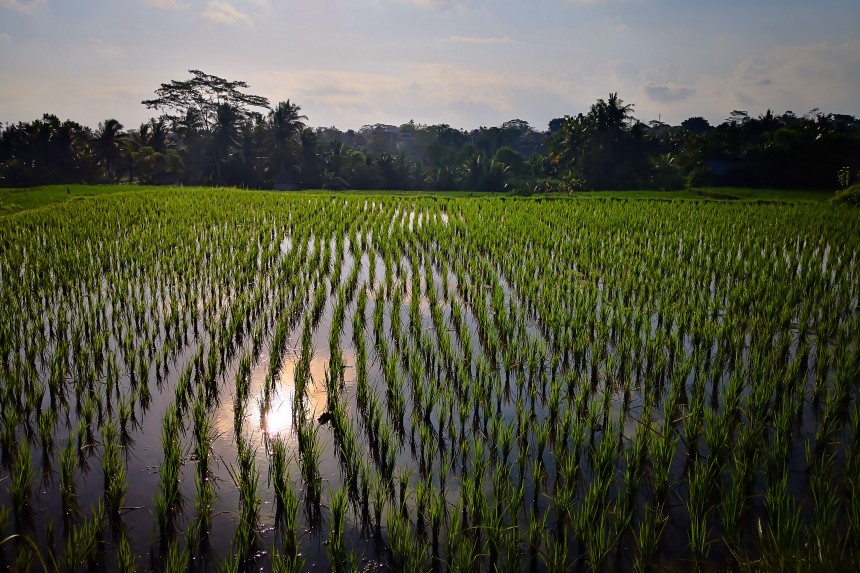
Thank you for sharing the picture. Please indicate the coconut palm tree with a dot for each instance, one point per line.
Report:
(611, 114)
(337, 155)
(311, 160)
(108, 144)
(285, 124)
(149, 150)
(224, 138)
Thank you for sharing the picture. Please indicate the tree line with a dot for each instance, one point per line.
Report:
(210, 131)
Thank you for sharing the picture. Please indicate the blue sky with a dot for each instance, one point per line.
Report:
(467, 63)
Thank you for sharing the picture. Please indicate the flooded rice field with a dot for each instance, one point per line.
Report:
(237, 381)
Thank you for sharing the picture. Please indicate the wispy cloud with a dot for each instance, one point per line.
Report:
(813, 72)
(479, 40)
(22, 5)
(668, 92)
(427, 93)
(4, 37)
(222, 12)
(166, 4)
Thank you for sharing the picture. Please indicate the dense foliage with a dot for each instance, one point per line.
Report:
(508, 383)
(213, 133)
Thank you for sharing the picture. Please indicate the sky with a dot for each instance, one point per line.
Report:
(466, 63)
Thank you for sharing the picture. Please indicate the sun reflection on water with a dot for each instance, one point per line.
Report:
(278, 420)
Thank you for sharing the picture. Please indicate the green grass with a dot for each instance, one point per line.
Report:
(16, 200)
(26, 199)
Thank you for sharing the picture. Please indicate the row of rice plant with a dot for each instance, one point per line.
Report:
(431, 383)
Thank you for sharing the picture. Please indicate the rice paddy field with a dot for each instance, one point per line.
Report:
(234, 381)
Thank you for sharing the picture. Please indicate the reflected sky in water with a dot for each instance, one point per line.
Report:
(278, 420)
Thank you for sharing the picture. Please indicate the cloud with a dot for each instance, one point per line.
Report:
(811, 75)
(22, 5)
(4, 37)
(667, 93)
(222, 12)
(429, 93)
(166, 4)
(789, 77)
(478, 40)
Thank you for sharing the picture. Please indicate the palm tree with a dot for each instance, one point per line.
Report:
(225, 136)
(108, 143)
(480, 173)
(611, 114)
(149, 150)
(311, 164)
(336, 156)
(285, 126)
(604, 149)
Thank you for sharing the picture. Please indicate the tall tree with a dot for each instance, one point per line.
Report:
(225, 136)
(312, 175)
(605, 149)
(203, 95)
(108, 143)
(285, 127)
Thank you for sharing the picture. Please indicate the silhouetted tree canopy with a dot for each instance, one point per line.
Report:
(212, 132)
(201, 97)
